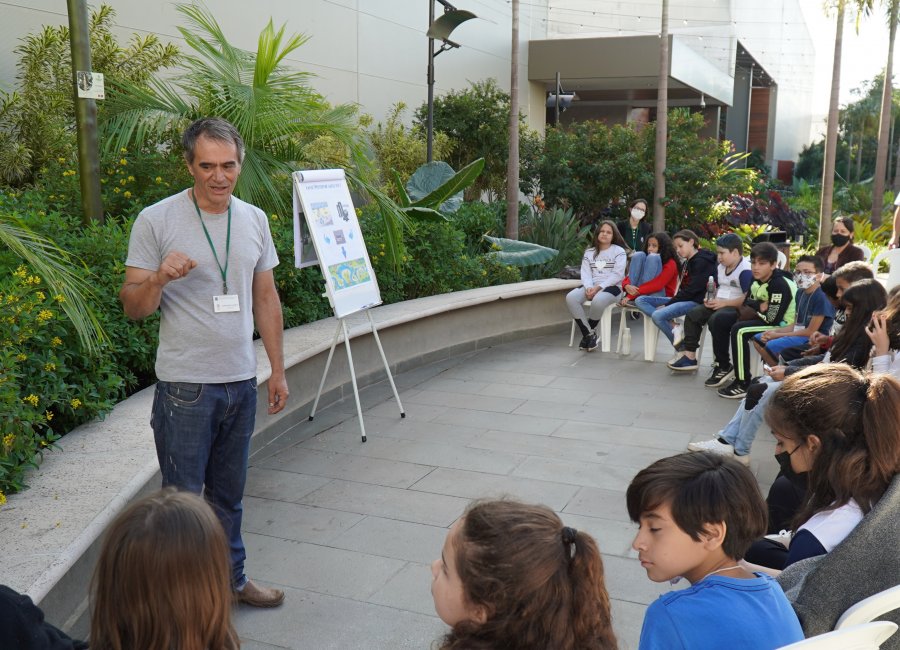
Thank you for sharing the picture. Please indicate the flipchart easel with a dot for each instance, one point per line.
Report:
(328, 233)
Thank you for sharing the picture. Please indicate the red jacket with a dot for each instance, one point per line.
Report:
(667, 278)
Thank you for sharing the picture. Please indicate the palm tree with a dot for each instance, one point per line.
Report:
(884, 123)
(659, 188)
(276, 111)
(831, 133)
(512, 165)
(55, 267)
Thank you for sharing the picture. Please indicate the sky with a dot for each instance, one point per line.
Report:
(863, 54)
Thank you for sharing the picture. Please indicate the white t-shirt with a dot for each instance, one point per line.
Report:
(730, 283)
(830, 527)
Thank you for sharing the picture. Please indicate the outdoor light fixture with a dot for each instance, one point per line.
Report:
(560, 100)
(440, 29)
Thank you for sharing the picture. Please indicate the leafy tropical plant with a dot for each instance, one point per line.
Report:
(281, 118)
(401, 148)
(477, 121)
(519, 253)
(556, 229)
(55, 266)
(435, 189)
(37, 120)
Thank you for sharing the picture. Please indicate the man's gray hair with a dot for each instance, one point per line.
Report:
(214, 128)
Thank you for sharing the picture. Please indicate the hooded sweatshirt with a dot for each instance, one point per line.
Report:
(694, 276)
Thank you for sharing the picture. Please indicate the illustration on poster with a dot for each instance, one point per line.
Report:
(321, 214)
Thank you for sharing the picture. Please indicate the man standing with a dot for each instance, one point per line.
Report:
(205, 259)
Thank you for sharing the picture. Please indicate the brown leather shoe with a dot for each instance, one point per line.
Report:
(256, 596)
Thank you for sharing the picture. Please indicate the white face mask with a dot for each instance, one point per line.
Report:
(804, 280)
(637, 213)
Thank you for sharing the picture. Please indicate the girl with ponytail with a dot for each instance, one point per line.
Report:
(511, 575)
(839, 425)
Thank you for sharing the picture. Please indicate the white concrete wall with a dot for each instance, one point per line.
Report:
(370, 52)
(774, 31)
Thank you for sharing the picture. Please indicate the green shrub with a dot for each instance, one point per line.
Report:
(47, 386)
(476, 219)
(558, 229)
(436, 262)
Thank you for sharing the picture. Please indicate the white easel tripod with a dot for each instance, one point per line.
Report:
(342, 327)
(327, 233)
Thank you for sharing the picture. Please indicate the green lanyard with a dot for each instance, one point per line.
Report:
(223, 271)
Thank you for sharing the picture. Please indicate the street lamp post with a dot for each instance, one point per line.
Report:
(440, 29)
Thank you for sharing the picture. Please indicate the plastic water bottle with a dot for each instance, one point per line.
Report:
(710, 289)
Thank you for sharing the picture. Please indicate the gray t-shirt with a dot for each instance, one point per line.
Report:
(196, 344)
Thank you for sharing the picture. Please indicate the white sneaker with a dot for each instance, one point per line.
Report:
(721, 448)
(714, 446)
(677, 335)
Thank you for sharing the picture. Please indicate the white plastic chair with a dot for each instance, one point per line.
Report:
(782, 260)
(868, 636)
(605, 327)
(866, 251)
(871, 608)
(651, 335)
(892, 257)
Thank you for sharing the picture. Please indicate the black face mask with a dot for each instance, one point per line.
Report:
(839, 240)
(784, 462)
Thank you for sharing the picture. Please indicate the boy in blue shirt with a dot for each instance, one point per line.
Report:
(698, 514)
(815, 313)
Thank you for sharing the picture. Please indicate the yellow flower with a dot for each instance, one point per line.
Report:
(44, 315)
(40, 295)
(60, 160)
(123, 150)
(48, 415)
(2, 499)
(8, 441)
(21, 357)
(123, 181)
(75, 402)
(59, 298)
(127, 195)
(31, 399)
(49, 367)
(56, 341)
(20, 272)
(33, 279)
(116, 190)
(158, 179)
(381, 253)
(123, 162)
(131, 179)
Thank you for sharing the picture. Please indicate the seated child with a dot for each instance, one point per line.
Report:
(602, 272)
(814, 313)
(769, 304)
(699, 264)
(163, 579)
(698, 514)
(732, 285)
(512, 575)
(653, 272)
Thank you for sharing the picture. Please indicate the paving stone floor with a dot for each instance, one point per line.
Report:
(348, 530)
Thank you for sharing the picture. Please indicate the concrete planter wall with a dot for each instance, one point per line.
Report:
(51, 533)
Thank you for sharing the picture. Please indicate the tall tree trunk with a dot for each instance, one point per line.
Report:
(85, 115)
(831, 134)
(512, 165)
(895, 186)
(884, 124)
(662, 123)
(859, 156)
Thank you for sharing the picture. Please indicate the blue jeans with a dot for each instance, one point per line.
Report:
(202, 434)
(741, 431)
(656, 308)
(775, 346)
(643, 268)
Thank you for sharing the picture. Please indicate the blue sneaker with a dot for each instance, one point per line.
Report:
(683, 364)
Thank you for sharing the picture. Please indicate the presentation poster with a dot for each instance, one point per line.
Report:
(331, 226)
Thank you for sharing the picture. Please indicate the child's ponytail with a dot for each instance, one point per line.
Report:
(588, 594)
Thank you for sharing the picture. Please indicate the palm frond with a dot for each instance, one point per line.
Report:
(54, 266)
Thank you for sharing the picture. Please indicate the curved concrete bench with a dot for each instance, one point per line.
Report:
(50, 533)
